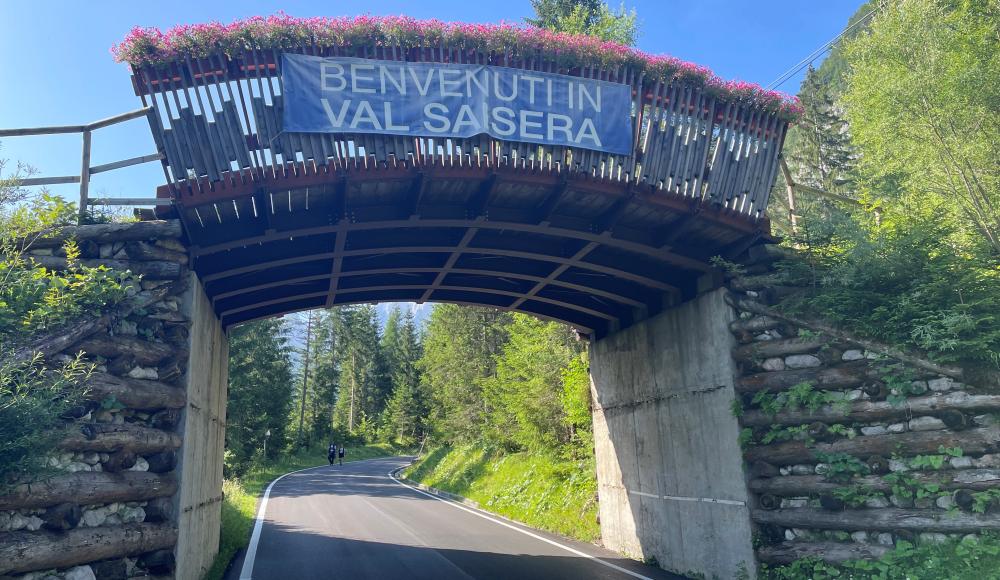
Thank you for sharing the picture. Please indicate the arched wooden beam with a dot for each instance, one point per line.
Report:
(561, 260)
(477, 289)
(603, 238)
(620, 298)
(582, 328)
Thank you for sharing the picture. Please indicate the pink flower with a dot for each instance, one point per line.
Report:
(152, 47)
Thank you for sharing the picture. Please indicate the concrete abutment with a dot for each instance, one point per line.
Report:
(669, 466)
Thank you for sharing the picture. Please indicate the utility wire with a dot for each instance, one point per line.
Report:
(816, 53)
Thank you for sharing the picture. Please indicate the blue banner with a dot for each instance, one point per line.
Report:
(355, 95)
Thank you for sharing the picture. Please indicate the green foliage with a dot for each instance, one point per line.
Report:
(906, 486)
(35, 302)
(928, 461)
(33, 400)
(856, 495)
(539, 489)
(983, 500)
(915, 264)
(460, 349)
(800, 396)
(403, 420)
(779, 433)
(590, 17)
(965, 559)
(260, 392)
(842, 467)
(922, 101)
(523, 402)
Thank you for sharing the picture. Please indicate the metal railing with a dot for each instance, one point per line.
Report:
(86, 169)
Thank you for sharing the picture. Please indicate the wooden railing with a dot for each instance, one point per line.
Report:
(220, 118)
(86, 169)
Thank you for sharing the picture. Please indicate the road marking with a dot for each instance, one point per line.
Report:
(246, 572)
(686, 498)
(525, 532)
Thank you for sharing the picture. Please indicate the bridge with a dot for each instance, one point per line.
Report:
(255, 221)
(281, 221)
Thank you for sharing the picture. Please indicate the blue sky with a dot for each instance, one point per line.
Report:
(56, 66)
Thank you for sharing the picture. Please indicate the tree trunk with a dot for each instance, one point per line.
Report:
(772, 348)
(879, 519)
(28, 551)
(134, 393)
(89, 487)
(972, 442)
(747, 305)
(146, 252)
(832, 552)
(870, 411)
(110, 233)
(107, 437)
(814, 485)
(350, 416)
(159, 270)
(844, 376)
(144, 352)
(305, 377)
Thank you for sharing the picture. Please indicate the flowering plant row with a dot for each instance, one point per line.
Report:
(151, 46)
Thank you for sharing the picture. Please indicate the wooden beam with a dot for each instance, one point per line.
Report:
(551, 201)
(620, 298)
(669, 257)
(611, 271)
(28, 551)
(480, 200)
(479, 289)
(573, 261)
(445, 270)
(281, 311)
(339, 245)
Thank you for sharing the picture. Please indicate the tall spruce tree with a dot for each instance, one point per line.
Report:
(460, 348)
(361, 390)
(260, 389)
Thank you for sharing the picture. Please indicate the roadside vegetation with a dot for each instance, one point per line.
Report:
(35, 302)
(901, 122)
(543, 491)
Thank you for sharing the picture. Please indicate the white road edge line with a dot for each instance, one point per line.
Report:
(246, 572)
(525, 532)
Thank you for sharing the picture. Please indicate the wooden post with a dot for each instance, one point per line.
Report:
(84, 174)
(790, 190)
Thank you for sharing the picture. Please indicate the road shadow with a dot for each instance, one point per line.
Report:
(321, 556)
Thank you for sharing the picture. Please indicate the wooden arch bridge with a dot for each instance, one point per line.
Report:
(281, 222)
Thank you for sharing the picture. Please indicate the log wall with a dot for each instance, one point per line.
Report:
(108, 506)
(870, 447)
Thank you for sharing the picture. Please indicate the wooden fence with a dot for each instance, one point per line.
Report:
(219, 119)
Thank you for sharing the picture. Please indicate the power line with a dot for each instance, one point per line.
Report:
(816, 53)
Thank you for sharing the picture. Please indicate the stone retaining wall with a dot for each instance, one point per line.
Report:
(106, 509)
(849, 450)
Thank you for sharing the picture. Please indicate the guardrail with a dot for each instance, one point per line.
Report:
(86, 169)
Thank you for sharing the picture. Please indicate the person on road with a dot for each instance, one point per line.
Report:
(331, 453)
(340, 454)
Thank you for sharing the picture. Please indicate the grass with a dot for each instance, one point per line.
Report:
(239, 506)
(539, 490)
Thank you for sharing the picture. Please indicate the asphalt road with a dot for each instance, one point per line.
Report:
(354, 521)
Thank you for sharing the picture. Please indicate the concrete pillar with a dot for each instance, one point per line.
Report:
(669, 467)
(204, 427)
